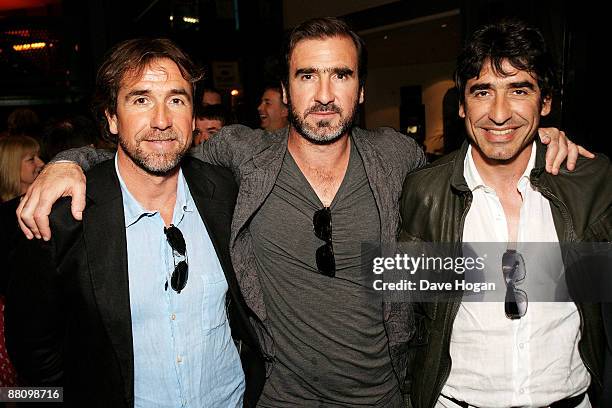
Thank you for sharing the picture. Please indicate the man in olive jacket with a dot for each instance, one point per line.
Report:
(495, 189)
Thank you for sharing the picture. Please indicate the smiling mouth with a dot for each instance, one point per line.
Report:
(500, 132)
(499, 135)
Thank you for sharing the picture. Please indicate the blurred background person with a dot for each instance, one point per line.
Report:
(272, 111)
(20, 163)
(209, 119)
(211, 96)
(66, 133)
(23, 122)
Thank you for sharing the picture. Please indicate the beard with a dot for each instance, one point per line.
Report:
(322, 132)
(155, 163)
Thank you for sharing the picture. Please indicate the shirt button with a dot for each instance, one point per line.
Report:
(522, 390)
(179, 359)
(173, 316)
(522, 345)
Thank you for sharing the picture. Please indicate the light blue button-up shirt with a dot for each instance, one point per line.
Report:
(184, 355)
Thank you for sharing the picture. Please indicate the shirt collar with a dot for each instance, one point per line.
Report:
(474, 181)
(133, 211)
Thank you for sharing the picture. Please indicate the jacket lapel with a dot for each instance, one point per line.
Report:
(257, 184)
(106, 246)
(216, 214)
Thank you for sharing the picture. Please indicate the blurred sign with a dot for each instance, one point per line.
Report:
(226, 75)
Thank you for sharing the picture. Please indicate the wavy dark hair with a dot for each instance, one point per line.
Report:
(515, 41)
(320, 29)
(132, 57)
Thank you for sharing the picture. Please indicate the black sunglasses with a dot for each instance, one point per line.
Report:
(181, 269)
(513, 267)
(322, 226)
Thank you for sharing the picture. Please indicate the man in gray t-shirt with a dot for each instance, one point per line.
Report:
(330, 339)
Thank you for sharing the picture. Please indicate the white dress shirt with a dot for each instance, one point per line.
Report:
(532, 361)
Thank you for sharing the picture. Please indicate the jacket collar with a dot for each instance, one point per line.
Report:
(459, 183)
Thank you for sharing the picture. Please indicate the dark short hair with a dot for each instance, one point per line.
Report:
(213, 112)
(523, 46)
(276, 87)
(323, 28)
(66, 133)
(132, 57)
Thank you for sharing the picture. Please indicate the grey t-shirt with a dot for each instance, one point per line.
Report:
(331, 346)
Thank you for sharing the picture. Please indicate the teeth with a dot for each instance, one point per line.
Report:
(500, 132)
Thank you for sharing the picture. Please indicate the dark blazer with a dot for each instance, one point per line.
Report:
(68, 315)
(8, 233)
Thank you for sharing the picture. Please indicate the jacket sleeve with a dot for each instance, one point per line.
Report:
(231, 147)
(34, 323)
(86, 157)
(227, 148)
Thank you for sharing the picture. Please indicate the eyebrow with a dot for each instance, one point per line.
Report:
(513, 85)
(145, 92)
(335, 70)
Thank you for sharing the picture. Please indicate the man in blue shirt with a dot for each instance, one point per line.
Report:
(129, 307)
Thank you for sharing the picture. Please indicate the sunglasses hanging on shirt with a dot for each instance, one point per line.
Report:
(322, 226)
(178, 279)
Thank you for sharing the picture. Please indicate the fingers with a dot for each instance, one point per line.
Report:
(562, 153)
(25, 215)
(585, 153)
(41, 218)
(572, 155)
(78, 200)
(55, 181)
(552, 147)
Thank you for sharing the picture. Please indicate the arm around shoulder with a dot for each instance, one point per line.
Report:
(86, 157)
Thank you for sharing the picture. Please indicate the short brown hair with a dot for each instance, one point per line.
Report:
(322, 28)
(132, 57)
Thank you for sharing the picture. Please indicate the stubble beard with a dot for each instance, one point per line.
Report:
(310, 133)
(157, 164)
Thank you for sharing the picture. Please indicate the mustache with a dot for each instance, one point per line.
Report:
(319, 107)
(159, 136)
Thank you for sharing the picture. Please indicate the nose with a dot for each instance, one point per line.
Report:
(162, 118)
(260, 108)
(324, 94)
(500, 111)
(39, 162)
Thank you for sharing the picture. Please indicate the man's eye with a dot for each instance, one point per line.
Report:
(140, 101)
(307, 76)
(481, 93)
(520, 92)
(178, 101)
(341, 76)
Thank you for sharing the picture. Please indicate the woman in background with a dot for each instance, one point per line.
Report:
(19, 166)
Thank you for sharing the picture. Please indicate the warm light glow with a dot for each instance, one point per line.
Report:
(28, 47)
(235, 92)
(191, 20)
(171, 18)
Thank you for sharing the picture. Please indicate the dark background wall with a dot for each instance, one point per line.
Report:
(410, 39)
